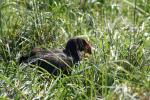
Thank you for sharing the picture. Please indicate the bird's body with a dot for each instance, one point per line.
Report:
(58, 60)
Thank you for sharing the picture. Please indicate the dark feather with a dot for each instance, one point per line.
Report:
(58, 60)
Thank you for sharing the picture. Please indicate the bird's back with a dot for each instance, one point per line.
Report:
(52, 61)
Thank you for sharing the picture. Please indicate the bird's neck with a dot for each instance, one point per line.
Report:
(75, 55)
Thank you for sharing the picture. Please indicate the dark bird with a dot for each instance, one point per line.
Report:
(55, 61)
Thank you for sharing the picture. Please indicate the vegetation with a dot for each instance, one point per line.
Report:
(119, 30)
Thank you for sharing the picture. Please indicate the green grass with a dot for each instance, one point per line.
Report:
(119, 30)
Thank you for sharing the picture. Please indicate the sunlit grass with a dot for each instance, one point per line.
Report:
(119, 67)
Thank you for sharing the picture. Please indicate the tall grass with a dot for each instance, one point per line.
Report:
(119, 68)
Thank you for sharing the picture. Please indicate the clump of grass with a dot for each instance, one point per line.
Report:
(119, 31)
